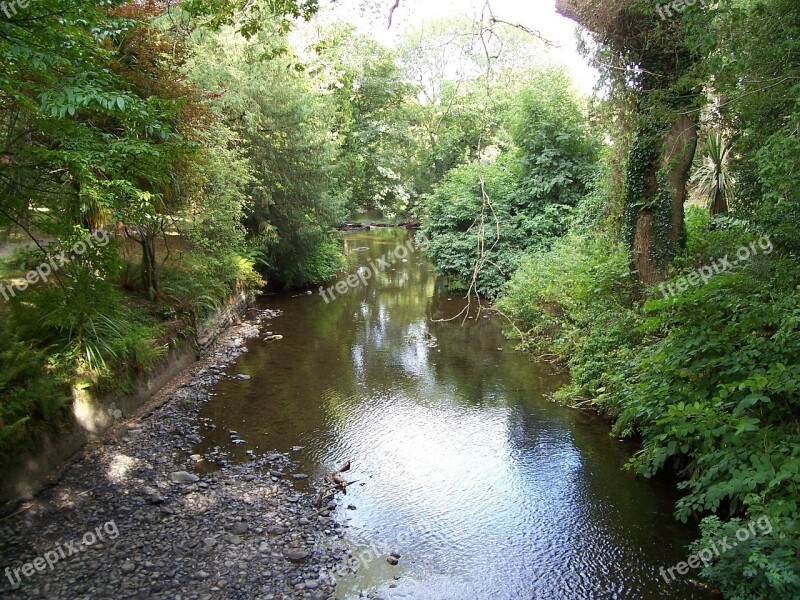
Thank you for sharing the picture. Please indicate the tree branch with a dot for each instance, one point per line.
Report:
(391, 12)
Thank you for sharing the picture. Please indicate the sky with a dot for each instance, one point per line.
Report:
(538, 15)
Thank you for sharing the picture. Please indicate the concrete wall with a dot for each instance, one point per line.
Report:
(91, 416)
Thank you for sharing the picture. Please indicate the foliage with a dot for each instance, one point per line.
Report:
(29, 391)
(576, 300)
(558, 151)
(530, 194)
(98, 125)
(469, 76)
(712, 178)
(252, 18)
(369, 97)
(280, 128)
(455, 224)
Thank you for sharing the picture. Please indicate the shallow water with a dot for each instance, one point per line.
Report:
(460, 463)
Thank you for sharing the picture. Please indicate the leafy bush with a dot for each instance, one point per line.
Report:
(30, 391)
(574, 300)
(528, 196)
(456, 223)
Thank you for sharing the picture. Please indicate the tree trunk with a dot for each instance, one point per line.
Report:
(657, 181)
(661, 158)
(719, 205)
(149, 275)
(680, 146)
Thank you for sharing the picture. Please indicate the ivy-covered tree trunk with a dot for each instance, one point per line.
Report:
(658, 172)
(663, 151)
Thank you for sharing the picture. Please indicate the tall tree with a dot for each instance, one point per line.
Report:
(647, 59)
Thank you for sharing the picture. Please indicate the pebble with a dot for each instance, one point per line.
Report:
(183, 477)
(296, 555)
(203, 539)
(240, 528)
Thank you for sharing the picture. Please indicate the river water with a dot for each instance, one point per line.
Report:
(460, 462)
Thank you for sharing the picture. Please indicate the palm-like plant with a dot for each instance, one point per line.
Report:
(712, 180)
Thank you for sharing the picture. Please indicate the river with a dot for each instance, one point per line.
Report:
(460, 461)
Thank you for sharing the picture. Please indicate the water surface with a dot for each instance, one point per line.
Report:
(460, 462)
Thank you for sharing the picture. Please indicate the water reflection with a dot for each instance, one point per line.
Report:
(485, 488)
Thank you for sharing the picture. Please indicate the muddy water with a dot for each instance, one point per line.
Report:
(460, 463)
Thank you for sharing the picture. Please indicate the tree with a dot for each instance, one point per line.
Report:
(648, 60)
(712, 178)
(373, 121)
(466, 89)
(533, 190)
(95, 117)
(250, 17)
(283, 130)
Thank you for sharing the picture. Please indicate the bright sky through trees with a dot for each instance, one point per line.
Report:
(537, 15)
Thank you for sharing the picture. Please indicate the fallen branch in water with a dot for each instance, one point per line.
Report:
(333, 483)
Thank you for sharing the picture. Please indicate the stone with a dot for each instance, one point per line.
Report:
(297, 555)
(183, 477)
(240, 528)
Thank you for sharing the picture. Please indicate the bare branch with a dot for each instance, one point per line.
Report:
(391, 12)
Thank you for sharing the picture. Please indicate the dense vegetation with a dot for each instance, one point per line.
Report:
(647, 238)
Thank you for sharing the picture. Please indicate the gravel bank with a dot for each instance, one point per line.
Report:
(132, 518)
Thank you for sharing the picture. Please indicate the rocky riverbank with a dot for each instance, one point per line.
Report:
(133, 517)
